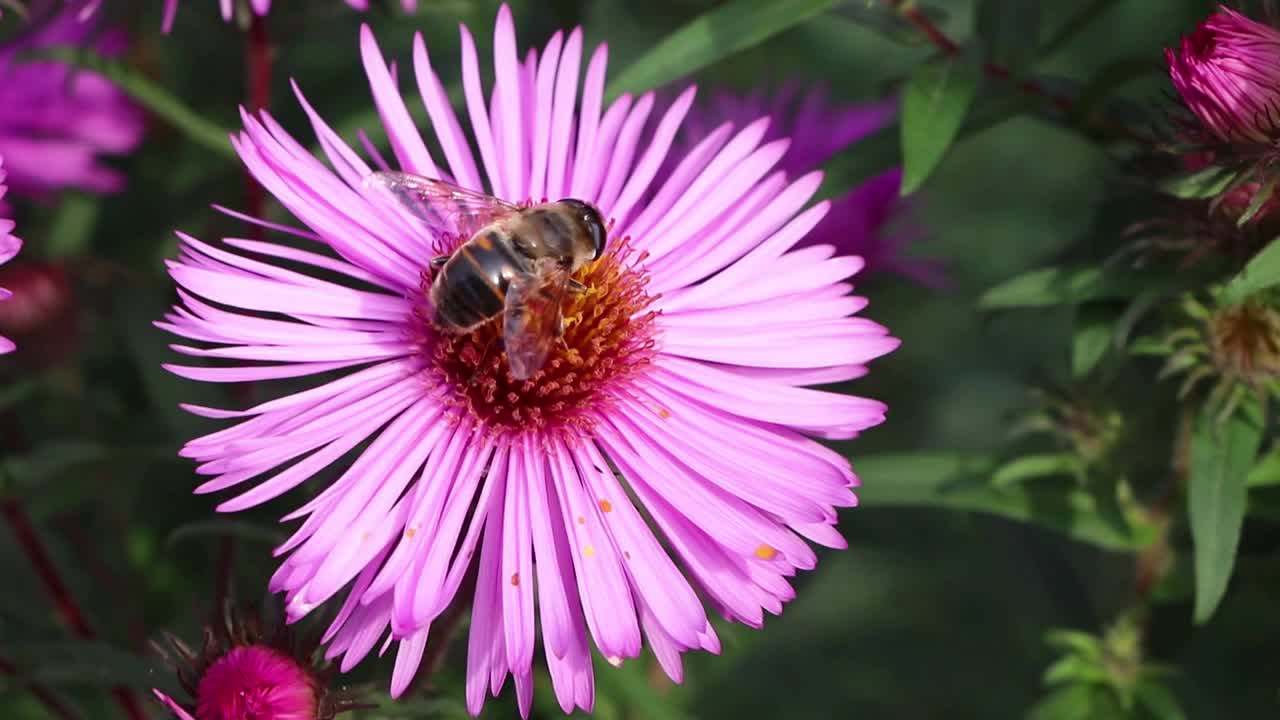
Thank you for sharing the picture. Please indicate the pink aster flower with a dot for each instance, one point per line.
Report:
(9, 246)
(57, 121)
(1228, 73)
(662, 457)
(871, 221)
(259, 7)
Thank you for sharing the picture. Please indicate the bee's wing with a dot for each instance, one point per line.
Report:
(443, 207)
(531, 319)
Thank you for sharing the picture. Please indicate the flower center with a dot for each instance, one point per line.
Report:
(608, 336)
(255, 682)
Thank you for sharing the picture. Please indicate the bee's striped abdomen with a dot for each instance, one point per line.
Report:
(471, 288)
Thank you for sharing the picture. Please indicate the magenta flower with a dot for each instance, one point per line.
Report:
(240, 674)
(871, 221)
(9, 246)
(259, 7)
(658, 459)
(1228, 73)
(56, 121)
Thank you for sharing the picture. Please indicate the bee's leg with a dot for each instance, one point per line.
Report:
(439, 261)
(576, 287)
(480, 362)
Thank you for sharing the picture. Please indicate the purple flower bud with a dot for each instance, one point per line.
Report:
(1228, 73)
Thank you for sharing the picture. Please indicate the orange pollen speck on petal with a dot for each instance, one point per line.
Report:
(606, 506)
(608, 337)
(589, 551)
(766, 552)
(515, 580)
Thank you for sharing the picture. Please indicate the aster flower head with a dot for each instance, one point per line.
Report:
(1228, 74)
(871, 221)
(9, 246)
(661, 456)
(239, 673)
(56, 121)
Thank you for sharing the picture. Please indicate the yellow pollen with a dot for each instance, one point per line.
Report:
(606, 506)
(589, 551)
(766, 552)
(664, 413)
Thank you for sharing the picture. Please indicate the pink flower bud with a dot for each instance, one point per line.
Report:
(1228, 74)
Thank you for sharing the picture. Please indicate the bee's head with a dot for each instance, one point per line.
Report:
(591, 222)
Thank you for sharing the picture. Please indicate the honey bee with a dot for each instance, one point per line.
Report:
(517, 262)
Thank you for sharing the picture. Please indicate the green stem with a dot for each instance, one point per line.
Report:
(148, 94)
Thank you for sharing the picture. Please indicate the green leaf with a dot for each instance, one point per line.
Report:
(712, 36)
(1072, 702)
(1080, 643)
(1266, 471)
(79, 662)
(149, 348)
(1074, 668)
(1091, 100)
(1077, 22)
(74, 461)
(1009, 31)
(1062, 285)
(150, 95)
(1260, 198)
(1028, 467)
(934, 105)
(1260, 273)
(1221, 455)
(222, 528)
(1206, 183)
(1158, 700)
(73, 225)
(882, 149)
(1093, 335)
(960, 482)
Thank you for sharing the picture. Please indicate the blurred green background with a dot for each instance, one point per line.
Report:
(931, 613)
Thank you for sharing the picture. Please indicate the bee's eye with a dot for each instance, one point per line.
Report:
(598, 233)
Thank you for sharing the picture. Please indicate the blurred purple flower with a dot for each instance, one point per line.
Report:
(1228, 73)
(674, 408)
(259, 7)
(872, 220)
(56, 120)
(9, 247)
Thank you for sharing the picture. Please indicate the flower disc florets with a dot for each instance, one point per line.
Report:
(608, 336)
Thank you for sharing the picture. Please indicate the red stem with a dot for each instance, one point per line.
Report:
(58, 591)
(43, 565)
(56, 707)
(258, 61)
(921, 22)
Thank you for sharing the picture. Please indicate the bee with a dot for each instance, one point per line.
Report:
(516, 262)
